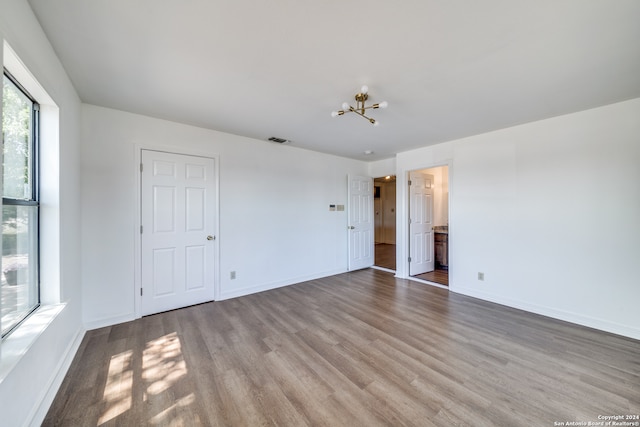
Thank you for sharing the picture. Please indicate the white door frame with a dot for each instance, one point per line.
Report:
(137, 155)
(402, 219)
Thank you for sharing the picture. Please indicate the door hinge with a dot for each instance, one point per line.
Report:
(409, 182)
(409, 259)
(141, 167)
(140, 291)
(409, 220)
(141, 229)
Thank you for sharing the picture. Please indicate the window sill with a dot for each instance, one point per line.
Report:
(17, 344)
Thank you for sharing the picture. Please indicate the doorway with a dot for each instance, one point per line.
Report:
(429, 225)
(384, 209)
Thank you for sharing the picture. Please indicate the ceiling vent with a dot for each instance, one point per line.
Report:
(279, 140)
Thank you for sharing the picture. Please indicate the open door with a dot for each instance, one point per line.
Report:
(361, 223)
(421, 223)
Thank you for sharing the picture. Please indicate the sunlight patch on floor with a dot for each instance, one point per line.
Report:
(162, 363)
(117, 392)
(169, 415)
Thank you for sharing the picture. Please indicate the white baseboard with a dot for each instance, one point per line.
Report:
(388, 270)
(109, 321)
(567, 316)
(49, 393)
(234, 293)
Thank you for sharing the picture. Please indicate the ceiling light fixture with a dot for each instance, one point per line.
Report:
(360, 108)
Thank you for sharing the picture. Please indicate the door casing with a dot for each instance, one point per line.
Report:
(137, 211)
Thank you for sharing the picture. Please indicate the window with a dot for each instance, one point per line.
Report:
(20, 207)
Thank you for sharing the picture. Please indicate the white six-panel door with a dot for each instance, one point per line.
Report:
(178, 200)
(361, 223)
(421, 224)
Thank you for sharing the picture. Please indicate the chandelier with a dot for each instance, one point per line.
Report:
(360, 108)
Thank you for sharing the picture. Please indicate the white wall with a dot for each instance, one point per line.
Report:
(549, 211)
(28, 386)
(382, 167)
(275, 225)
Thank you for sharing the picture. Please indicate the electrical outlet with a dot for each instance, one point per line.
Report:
(480, 276)
(232, 275)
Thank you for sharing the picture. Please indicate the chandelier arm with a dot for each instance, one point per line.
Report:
(369, 119)
(361, 109)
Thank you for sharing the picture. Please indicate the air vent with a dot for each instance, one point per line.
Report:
(279, 140)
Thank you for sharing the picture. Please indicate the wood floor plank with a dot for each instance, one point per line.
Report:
(385, 256)
(357, 349)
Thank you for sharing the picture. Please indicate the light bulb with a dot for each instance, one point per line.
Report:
(364, 89)
(383, 104)
(334, 114)
(376, 123)
(345, 106)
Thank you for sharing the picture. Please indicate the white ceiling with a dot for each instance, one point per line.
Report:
(448, 68)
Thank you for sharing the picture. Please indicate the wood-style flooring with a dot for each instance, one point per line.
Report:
(385, 257)
(357, 349)
(438, 275)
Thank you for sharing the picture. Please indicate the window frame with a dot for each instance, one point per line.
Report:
(35, 191)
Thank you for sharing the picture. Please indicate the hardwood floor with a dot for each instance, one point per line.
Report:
(385, 256)
(437, 276)
(357, 349)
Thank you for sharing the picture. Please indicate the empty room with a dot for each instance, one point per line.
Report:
(196, 196)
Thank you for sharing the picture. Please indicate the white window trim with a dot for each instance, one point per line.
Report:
(17, 344)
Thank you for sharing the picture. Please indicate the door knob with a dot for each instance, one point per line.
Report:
(211, 237)
(351, 227)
